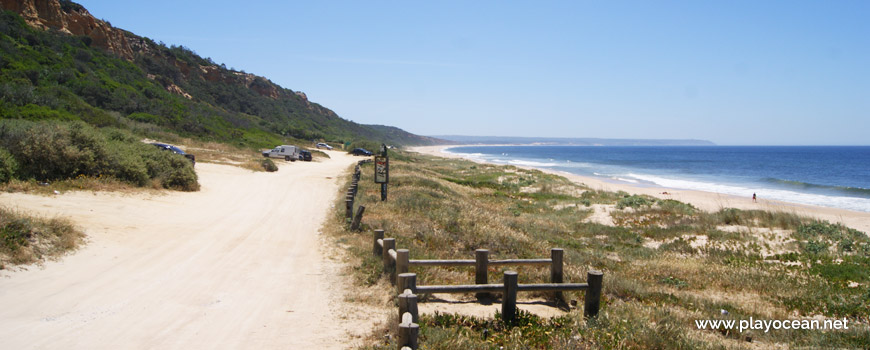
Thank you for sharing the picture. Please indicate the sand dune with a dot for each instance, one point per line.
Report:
(708, 201)
(236, 265)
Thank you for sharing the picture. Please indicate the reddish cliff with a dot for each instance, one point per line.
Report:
(71, 18)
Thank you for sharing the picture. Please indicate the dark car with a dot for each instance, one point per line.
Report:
(360, 152)
(175, 150)
(305, 155)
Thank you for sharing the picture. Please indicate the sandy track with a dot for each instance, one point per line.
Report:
(233, 266)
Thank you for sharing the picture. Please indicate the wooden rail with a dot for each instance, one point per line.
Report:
(409, 314)
(353, 221)
(509, 288)
(397, 261)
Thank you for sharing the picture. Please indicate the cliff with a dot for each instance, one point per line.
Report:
(215, 102)
(71, 18)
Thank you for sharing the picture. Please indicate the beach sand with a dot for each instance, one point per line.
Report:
(708, 201)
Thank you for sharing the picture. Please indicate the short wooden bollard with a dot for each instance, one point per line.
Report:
(376, 248)
(358, 218)
(408, 303)
(556, 272)
(348, 209)
(389, 243)
(403, 257)
(593, 293)
(407, 281)
(509, 299)
(481, 267)
(408, 332)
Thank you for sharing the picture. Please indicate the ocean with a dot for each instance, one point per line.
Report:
(830, 176)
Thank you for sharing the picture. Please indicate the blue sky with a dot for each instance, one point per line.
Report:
(733, 72)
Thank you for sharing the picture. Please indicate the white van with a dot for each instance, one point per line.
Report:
(287, 152)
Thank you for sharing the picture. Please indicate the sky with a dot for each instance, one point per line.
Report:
(732, 72)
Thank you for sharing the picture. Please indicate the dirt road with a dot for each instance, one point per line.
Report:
(234, 266)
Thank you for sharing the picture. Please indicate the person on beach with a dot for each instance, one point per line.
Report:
(753, 198)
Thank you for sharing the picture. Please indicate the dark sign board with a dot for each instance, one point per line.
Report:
(382, 169)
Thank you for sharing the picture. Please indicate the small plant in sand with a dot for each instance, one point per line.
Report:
(268, 165)
(25, 239)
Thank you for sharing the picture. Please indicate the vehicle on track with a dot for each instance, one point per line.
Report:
(288, 152)
(176, 150)
(323, 145)
(361, 152)
(305, 155)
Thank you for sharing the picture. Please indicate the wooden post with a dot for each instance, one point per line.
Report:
(481, 267)
(408, 303)
(556, 275)
(376, 248)
(356, 220)
(408, 332)
(403, 256)
(348, 209)
(593, 293)
(389, 243)
(509, 299)
(407, 281)
(401, 282)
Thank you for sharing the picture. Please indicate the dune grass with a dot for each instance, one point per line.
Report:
(665, 263)
(25, 239)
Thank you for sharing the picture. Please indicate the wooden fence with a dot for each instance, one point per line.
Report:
(354, 221)
(396, 262)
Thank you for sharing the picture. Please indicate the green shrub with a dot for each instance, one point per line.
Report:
(48, 151)
(8, 166)
(634, 201)
(173, 171)
(677, 207)
(817, 236)
(269, 165)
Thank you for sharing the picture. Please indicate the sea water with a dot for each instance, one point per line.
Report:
(831, 176)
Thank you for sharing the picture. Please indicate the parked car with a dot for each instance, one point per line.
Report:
(323, 145)
(360, 152)
(288, 152)
(305, 155)
(175, 150)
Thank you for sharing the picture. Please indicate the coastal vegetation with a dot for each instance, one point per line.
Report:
(25, 239)
(665, 263)
(50, 75)
(47, 152)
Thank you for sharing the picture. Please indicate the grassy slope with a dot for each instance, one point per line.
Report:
(446, 208)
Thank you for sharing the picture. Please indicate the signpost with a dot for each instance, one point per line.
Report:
(382, 171)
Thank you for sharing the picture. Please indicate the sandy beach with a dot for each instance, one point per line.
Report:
(708, 201)
(237, 265)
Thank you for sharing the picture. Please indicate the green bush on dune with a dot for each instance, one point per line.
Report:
(8, 165)
(268, 165)
(51, 151)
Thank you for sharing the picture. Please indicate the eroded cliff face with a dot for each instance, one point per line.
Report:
(71, 18)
